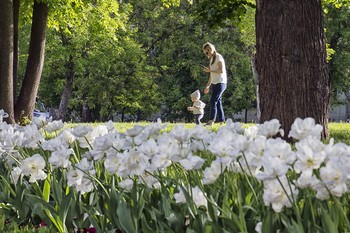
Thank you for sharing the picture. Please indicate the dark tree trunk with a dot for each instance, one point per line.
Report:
(15, 45)
(291, 62)
(256, 81)
(6, 58)
(26, 100)
(68, 88)
(138, 116)
(86, 114)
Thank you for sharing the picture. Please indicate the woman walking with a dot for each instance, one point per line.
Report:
(217, 81)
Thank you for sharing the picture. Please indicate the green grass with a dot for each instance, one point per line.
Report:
(339, 131)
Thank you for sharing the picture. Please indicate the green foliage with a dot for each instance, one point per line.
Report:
(334, 3)
(246, 25)
(178, 58)
(24, 120)
(338, 38)
(220, 12)
(138, 58)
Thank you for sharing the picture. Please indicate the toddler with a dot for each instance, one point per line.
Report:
(197, 107)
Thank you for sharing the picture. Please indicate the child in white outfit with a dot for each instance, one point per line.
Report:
(197, 107)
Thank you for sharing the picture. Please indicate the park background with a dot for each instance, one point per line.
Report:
(95, 61)
(140, 60)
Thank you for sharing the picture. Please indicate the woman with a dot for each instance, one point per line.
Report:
(218, 82)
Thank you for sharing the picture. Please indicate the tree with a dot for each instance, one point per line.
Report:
(16, 6)
(6, 58)
(291, 62)
(26, 100)
(174, 38)
(99, 51)
(9, 50)
(134, 58)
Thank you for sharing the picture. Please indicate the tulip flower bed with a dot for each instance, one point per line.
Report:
(146, 179)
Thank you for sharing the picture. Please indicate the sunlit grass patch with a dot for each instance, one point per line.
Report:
(340, 132)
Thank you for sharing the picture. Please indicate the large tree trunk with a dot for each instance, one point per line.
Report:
(16, 4)
(291, 62)
(26, 100)
(6, 58)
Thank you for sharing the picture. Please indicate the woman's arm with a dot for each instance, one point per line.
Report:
(206, 89)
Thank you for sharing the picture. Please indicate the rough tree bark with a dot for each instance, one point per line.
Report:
(291, 62)
(31, 81)
(6, 58)
(16, 4)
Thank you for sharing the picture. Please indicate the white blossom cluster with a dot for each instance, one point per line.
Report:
(145, 150)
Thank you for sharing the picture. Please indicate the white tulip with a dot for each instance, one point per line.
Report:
(33, 167)
(301, 128)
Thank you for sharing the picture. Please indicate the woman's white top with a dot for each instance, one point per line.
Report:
(218, 77)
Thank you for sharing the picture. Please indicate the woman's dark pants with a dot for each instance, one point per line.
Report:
(216, 109)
